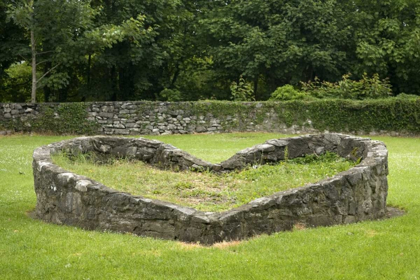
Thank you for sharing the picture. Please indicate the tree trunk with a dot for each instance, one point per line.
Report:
(47, 90)
(88, 72)
(34, 81)
(126, 82)
(114, 85)
(256, 86)
(175, 78)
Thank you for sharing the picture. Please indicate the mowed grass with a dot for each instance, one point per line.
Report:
(205, 191)
(31, 249)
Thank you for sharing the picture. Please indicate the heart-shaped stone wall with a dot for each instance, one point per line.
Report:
(354, 195)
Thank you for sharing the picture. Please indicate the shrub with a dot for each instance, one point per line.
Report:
(242, 91)
(407, 96)
(171, 95)
(366, 88)
(287, 92)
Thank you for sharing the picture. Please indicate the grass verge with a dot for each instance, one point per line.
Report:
(31, 249)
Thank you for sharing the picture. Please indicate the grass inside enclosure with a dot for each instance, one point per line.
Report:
(206, 191)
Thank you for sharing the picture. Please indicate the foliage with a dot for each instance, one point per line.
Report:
(13, 47)
(51, 31)
(242, 91)
(62, 37)
(171, 95)
(387, 41)
(287, 92)
(392, 114)
(366, 88)
(407, 96)
(277, 42)
(132, 50)
(17, 88)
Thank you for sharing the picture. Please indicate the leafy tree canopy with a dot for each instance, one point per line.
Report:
(187, 50)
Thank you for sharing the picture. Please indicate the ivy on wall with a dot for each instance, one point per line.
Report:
(66, 118)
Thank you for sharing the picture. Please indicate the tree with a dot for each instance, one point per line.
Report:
(278, 42)
(140, 68)
(387, 38)
(51, 27)
(60, 32)
(12, 48)
(189, 50)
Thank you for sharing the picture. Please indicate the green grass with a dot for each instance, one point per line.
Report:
(206, 191)
(31, 249)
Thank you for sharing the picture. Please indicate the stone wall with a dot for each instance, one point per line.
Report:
(354, 195)
(393, 117)
(135, 118)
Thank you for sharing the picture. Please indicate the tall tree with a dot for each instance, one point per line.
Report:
(51, 27)
(141, 67)
(60, 32)
(13, 49)
(387, 36)
(278, 41)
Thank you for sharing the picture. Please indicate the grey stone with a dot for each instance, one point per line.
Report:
(200, 129)
(106, 115)
(320, 150)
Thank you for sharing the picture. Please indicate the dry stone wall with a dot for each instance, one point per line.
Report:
(392, 117)
(135, 118)
(355, 195)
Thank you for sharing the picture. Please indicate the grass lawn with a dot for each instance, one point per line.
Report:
(31, 249)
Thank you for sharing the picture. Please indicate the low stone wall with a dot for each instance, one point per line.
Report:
(392, 117)
(154, 118)
(351, 196)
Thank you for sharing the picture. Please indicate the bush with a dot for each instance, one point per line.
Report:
(407, 96)
(366, 88)
(242, 91)
(287, 92)
(171, 95)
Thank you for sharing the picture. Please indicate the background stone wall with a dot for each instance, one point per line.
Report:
(133, 118)
(395, 117)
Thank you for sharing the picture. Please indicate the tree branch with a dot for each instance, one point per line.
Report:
(23, 57)
(38, 53)
(46, 73)
(41, 62)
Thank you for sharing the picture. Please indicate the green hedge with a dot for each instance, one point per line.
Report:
(398, 115)
(390, 114)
